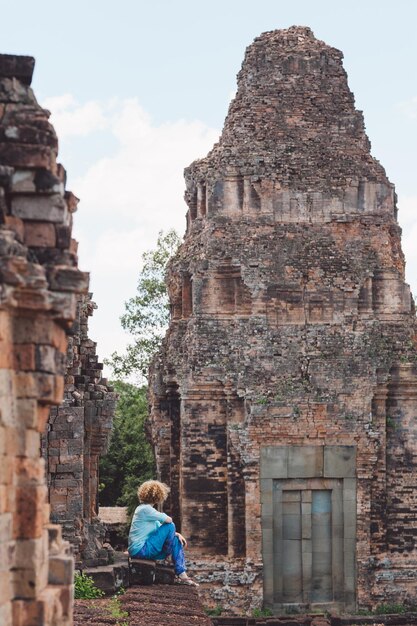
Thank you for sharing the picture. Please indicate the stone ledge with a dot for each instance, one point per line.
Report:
(146, 572)
(130, 572)
(109, 578)
(17, 66)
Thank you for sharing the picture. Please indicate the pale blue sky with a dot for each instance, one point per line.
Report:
(131, 70)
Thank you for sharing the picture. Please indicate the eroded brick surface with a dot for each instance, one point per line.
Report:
(41, 290)
(291, 325)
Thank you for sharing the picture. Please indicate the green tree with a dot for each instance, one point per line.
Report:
(129, 460)
(146, 315)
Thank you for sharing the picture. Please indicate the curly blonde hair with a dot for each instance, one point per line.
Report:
(153, 492)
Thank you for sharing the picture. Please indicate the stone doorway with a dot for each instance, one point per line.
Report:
(308, 498)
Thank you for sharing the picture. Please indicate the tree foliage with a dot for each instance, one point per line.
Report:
(146, 315)
(129, 460)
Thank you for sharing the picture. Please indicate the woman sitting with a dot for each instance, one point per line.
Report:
(152, 534)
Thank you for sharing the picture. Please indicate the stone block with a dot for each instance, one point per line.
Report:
(45, 358)
(12, 91)
(44, 387)
(30, 552)
(40, 208)
(72, 201)
(25, 155)
(23, 181)
(66, 595)
(54, 538)
(6, 521)
(6, 614)
(339, 461)
(16, 225)
(6, 590)
(121, 575)
(267, 508)
(24, 357)
(33, 181)
(27, 612)
(61, 570)
(68, 279)
(305, 461)
(7, 411)
(17, 66)
(142, 572)
(5, 499)
(6, 384)
(63, 236)
(30, 470)
(103, 578)
(26, 385)
(40, 235)
(164, 575)
(43, 412)
(28, 518)
(15, 439)
(7, 464)
(64, 305)
(274, 462)
(30, 582)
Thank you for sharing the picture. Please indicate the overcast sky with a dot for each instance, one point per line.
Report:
(139, 88)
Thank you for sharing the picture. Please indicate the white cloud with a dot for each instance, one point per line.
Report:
(129, 193)
(143, 178)
(71, 119)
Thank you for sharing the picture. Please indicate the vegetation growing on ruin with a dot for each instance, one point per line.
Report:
(394, 608)
(262, 612)
(115, 609)
(84, 587)
(214, 611)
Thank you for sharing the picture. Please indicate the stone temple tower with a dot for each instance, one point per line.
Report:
(283, 399)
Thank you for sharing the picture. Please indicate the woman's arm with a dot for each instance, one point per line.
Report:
(168, 520)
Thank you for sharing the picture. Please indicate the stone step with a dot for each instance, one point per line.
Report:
(127, 573)
(142, 572)
(164, 575)
(147, 572)
(109, 578)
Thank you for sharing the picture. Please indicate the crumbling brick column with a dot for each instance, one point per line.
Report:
(39, 283)
(76, 435)
(292, 350)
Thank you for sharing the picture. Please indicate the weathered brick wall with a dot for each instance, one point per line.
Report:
(40, 285)
(291, 326)
(77, 434)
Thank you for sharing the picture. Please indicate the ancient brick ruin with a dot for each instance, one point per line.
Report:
(42, 292)
(77, 434)
(284, 396)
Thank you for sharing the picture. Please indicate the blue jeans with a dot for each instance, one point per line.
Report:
(160, 544)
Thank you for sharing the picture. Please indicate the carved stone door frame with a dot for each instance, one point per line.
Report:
(308, 496)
